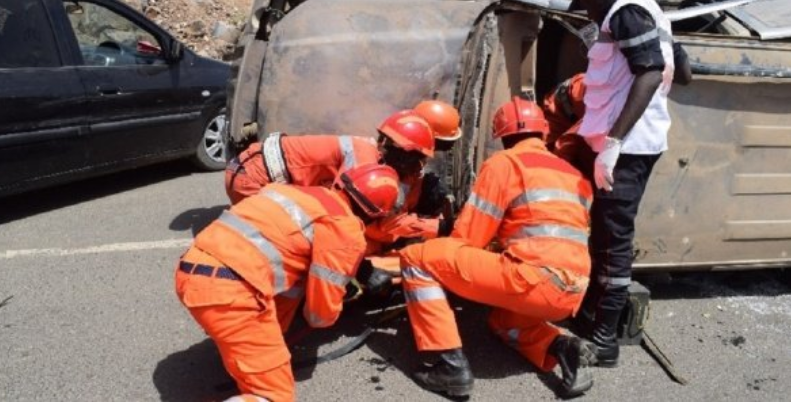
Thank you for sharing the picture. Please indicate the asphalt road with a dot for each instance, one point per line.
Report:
(88, 313)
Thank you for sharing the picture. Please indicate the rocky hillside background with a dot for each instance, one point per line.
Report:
(209, 27)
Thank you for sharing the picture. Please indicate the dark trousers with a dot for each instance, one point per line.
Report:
(612, 234)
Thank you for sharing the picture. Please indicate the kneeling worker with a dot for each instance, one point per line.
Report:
(535, 206)
(246, 271)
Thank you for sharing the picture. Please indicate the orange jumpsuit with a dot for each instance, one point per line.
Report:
(563, 109)
(536, 206)
(246, 273)
(303, 160)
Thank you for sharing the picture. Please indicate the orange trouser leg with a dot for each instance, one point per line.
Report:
(245, 327)
(239, 184)
(488, 278)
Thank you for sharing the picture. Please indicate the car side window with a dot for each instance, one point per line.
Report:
(107, 38)
(26, 37)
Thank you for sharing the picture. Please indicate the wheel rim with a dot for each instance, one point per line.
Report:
(213, 144)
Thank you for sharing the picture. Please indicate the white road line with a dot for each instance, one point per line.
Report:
(113, 247)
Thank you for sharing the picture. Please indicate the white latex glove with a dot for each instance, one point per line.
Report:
(605, 163)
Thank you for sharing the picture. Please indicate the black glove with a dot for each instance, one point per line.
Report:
(374, 280)
(379, 282)
(445, 226)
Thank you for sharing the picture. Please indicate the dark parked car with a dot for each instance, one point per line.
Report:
(91, 87)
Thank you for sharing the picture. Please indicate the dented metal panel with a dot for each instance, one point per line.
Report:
(341, 66)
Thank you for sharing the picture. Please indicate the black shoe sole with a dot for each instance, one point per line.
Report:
(582, 384)
(452, 391)
(607, 363)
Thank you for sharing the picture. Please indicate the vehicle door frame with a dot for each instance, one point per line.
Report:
(151, 127)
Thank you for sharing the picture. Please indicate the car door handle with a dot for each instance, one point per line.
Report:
(108, 91)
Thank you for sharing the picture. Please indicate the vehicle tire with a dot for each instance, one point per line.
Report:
(210, 152)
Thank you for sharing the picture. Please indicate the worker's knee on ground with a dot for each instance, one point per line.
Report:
(436, 255)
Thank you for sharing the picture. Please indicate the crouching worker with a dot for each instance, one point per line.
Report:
(246, 273)
(535, 206)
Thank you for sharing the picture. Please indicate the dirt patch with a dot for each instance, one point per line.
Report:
(208, 27)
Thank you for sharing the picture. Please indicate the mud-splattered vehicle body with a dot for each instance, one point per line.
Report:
(719, 198)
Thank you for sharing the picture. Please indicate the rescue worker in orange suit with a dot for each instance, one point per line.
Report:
(626, 122)
(564, 108)
(405, 143)
(246, 273)
(535, 206)
(306, 160)
(425, 196)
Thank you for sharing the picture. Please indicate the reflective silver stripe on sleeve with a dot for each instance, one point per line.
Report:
(554, 231)
(403, 192)
(485, 206)
(347, 150)
(549, 194)
(329, 275)
(413, 273)
(264, 246)
(425, 294)
(640, 39)
(294, 211)
(273, 159)
(615, 281)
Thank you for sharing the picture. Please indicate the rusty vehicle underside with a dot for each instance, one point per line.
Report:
(719, 198)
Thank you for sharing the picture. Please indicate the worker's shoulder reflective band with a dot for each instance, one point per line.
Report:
(425, 294)
(329, 275)
(273, 159)
(549, 194)
(553, 231)
(413, 273)
(640, 39)
(486, 207)
(294, 211)
(403, 192)
(615, 281)
(347, 150)
(266, 247)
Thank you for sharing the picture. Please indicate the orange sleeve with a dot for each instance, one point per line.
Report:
(338, 248)
(403, 226)
(484, 210)
(364, 150)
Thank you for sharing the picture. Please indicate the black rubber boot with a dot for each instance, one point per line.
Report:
(574, 357)
(450, 375)
(605, 337)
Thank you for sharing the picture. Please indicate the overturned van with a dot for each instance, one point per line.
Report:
(719, 198)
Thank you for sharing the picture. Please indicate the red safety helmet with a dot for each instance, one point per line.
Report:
(442, 117)
(373, 187)
(519, 116)
(409, 131)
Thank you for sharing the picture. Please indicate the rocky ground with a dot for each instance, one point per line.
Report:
(209, 27)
